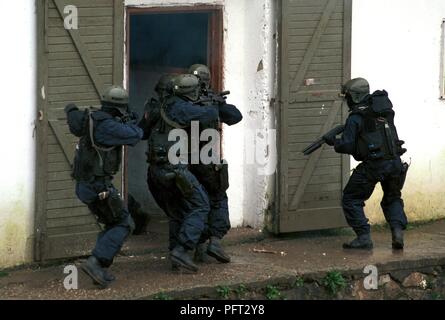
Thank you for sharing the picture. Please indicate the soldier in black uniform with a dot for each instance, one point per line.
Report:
(370, 136)
(102, 134)
(215, 176)
(175, 189)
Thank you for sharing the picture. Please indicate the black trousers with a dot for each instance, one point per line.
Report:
(361, 186)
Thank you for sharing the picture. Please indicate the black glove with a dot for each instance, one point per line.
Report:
(71, 107)
(330, 140)
(130, 118)
(217, 99)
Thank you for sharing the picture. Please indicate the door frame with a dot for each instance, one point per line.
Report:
(41, 130)
(215, 50)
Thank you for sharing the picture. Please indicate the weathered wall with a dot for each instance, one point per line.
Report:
(249, 68)
(17, 83)
(396, 46)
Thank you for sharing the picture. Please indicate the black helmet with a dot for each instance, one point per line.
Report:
(164, 85)
(186, 85)
(203, 73)
(355, 90)
(115, 97)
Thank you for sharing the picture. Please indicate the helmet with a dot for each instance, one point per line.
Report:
(164, 85)
(186, 85)
(115, 97)
(203, 73)
(355, 90)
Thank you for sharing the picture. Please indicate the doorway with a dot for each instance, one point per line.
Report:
(163, 41)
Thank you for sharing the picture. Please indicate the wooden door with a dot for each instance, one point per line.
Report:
(315, 61)
(74, 66)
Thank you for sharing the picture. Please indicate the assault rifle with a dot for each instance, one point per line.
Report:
(317, 144)
(214, 97)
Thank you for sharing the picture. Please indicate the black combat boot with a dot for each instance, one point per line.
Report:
(215, 250)
(180, 257)
(109, 276)
(362, 242)
(397, 239)
(93, 268)
(201, 255)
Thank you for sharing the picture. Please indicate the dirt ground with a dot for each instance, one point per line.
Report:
(143, 268)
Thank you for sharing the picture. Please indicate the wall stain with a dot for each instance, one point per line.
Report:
(14, 244)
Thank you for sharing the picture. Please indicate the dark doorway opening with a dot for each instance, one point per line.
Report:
(160, 41)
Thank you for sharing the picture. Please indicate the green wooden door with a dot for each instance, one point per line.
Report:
(74, 66)
(315, 61)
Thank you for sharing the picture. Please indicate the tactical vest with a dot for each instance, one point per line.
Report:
(158, 144)
(91, 159)
(378, 137)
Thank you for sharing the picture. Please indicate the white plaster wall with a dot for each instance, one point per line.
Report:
(17, 83)
(396, 46)
(248, 43)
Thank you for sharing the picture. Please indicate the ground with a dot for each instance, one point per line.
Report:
(263, 266)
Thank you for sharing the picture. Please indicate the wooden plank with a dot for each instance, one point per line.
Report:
(90, 21)
(324, 38)
(60, 176)
(86, 39)
(283, 186)
(311, 25)
(72, 97)
(347, 36)
(318, 53)
(42, 129)
(58, 167)
(325, 187)
(297, 16)
(312, 162)
(70, 89)
(53, 158)
(84, 31)
(319, 204)
(62, 245)
(83, 12)
(317, 180)
(314, 219)
(83, 51)
(319, 171)
(101, 62)
(307, 3)
(321, 196)
(68, 212)
(317, 60)
(86, 3)
(65, 144)
(76, 71)
(310, 9)
(73, 231)
(64, 203)
(70, 222)
(118, 43)
(61, 185)
(293, 164)
(75, 80)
